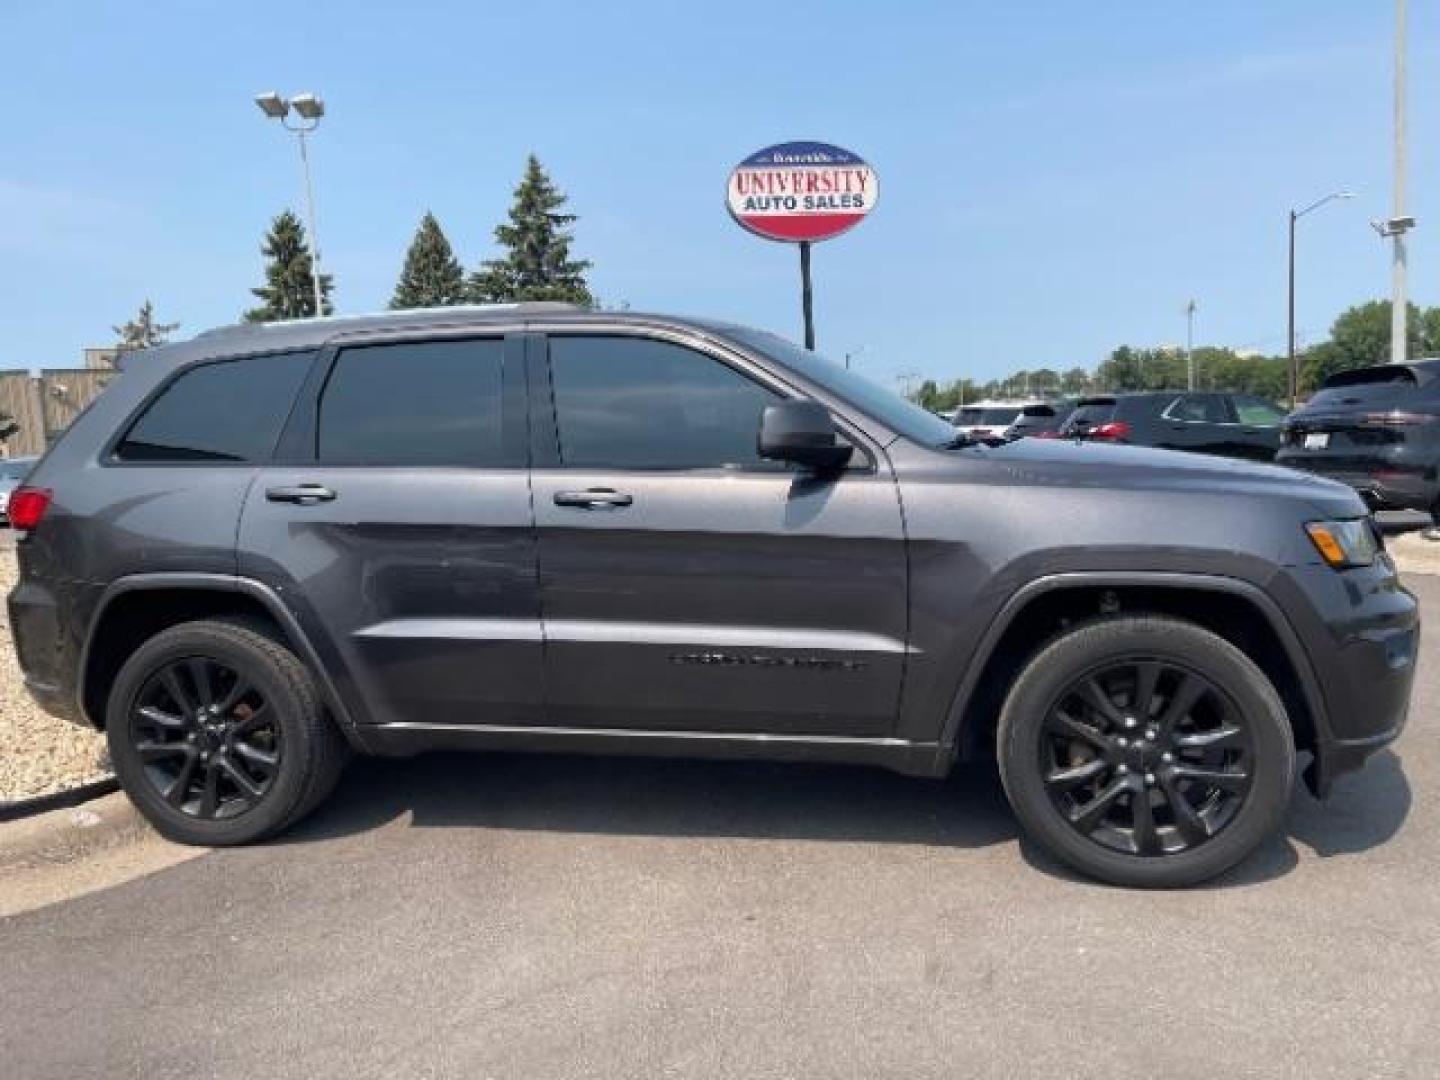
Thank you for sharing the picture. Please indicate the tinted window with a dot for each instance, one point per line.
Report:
(631, 403)
(969, 416)
(228, 411)
(423, 403)
(1257, 411)
(1091, 413)
(999, 417)
(16, 470)
(885, 405)
(1365, 389)
(1199, 408)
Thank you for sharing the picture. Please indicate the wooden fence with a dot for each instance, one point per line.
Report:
(45, 405)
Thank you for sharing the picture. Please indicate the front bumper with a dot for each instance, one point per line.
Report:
(1361, 631)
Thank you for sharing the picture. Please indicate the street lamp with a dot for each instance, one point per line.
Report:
(1296, 215)
(310, 108)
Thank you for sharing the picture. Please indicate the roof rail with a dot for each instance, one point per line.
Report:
(397, 313)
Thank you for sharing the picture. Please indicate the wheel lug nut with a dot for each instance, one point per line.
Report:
(1149, 779)
(1150, 735)
(1122, 769)
(1120, 742)
(1167, 757)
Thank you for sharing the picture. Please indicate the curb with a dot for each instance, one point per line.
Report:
(69, 834)
(57, 800)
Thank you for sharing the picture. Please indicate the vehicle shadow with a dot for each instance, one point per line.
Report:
(665, 797)
(758, 800)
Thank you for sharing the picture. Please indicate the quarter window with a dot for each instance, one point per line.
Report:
(633, 403)
(421, 403)
(231, 410)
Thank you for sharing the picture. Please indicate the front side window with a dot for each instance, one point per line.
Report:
(231, 410)
(414, 403)
(634, 403)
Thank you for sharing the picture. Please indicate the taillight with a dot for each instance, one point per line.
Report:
(28, 506)
(1115, 429)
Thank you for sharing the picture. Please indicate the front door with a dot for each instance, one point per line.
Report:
(687, 585)
(397, 525)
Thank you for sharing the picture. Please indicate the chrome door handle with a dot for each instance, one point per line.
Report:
(593, 499)
(302, 494)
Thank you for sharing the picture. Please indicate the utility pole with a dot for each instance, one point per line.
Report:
(1190, 345)
(1399, 223)
(1397, 272)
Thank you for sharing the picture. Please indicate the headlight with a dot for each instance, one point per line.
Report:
(1344, 544)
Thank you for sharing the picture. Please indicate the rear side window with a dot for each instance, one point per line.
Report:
(231, 410)
(632, 403)
(420, 403)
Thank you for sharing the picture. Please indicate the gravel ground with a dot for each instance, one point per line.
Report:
(38, 754)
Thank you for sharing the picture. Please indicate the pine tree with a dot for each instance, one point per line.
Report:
(537, 263)
(289, 289)
(143, 332)
(432, 276)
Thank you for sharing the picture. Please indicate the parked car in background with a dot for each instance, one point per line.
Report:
(1376, 429)
(1041, 420)
(1012, 419)
(1208, 422)
(535, 527)
(986, 419)
(12, 474)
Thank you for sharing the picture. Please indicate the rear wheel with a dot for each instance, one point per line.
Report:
(218, 735)
(1146, 751)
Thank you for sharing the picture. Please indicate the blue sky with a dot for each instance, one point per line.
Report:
(1056, 178)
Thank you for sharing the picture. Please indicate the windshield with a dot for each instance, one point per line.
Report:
(1365, 389)
(888, 407)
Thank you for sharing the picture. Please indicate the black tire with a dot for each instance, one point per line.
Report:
(1153, 807)
(159, 731)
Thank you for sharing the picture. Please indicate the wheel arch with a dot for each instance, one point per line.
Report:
(1035, 613)
(141, 605)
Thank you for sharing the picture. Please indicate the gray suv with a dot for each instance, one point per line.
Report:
(540, 528)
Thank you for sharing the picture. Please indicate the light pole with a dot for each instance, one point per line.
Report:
(1399, 223)
(310, 108)
(1190, 345)
(1296, 215)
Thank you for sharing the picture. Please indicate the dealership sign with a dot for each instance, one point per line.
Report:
(801, 192)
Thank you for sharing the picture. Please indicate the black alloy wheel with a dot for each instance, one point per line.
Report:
(209, 740)
(1145, 756)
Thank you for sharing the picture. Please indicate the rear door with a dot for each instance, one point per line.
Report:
(397, 525)
(688, 585)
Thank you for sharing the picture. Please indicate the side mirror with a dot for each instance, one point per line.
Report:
(804, 433)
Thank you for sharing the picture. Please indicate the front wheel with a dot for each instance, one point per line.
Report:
(1146, 751)
(218, 736)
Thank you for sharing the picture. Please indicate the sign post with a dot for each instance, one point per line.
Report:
(801, 193)
(807, 301)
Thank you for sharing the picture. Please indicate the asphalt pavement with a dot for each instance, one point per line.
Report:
(499, 916)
